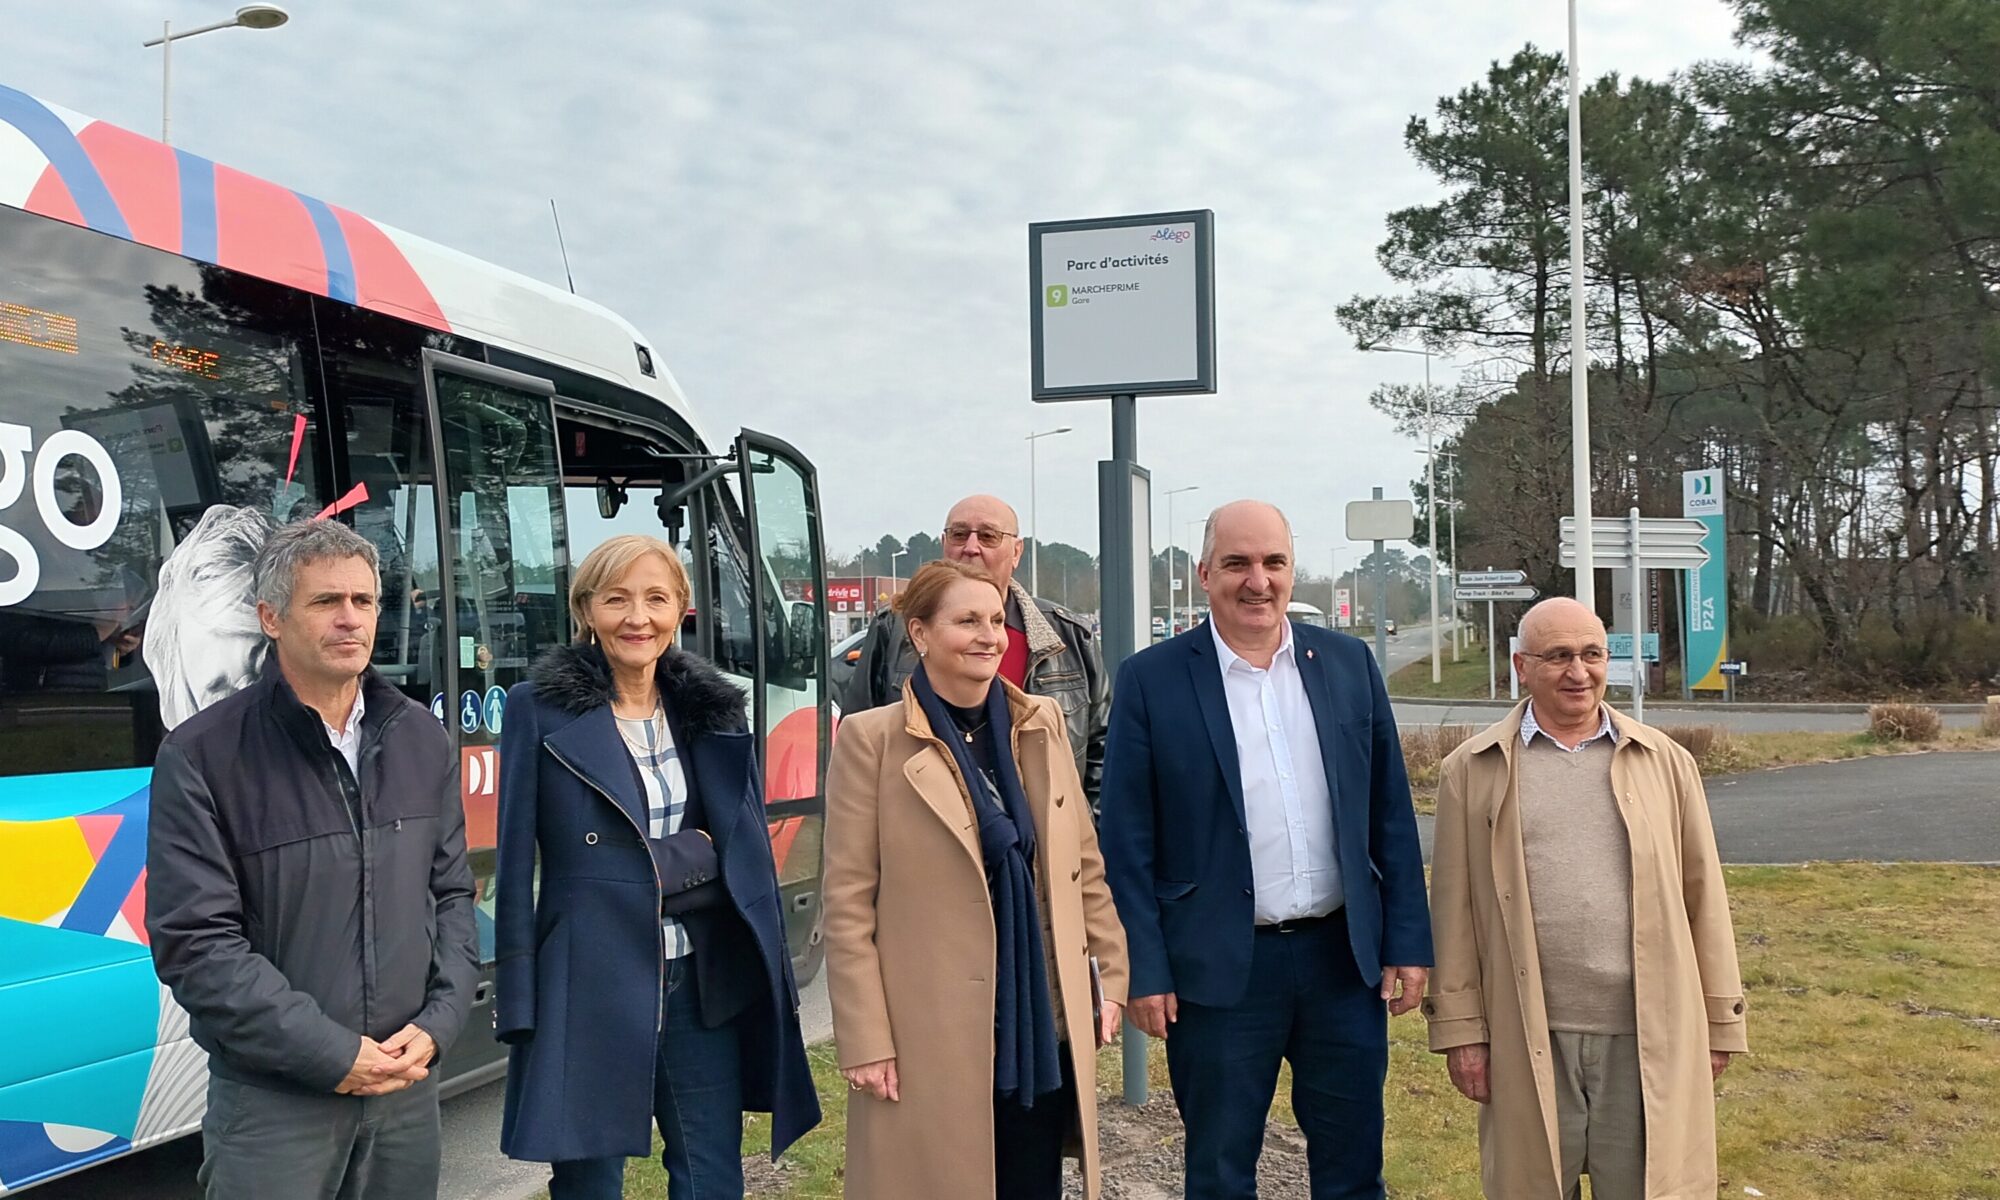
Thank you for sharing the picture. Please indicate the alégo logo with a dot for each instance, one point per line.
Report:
(16, 444)
(1176, 236)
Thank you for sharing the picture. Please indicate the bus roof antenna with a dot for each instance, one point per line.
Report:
(560, 246)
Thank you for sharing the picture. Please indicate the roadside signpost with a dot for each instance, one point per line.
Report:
(1379, 521)
(1731, 671)
(1636, 543)
(1123, 307)
(1494, 587)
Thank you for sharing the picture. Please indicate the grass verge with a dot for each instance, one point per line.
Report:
(1875, 1024)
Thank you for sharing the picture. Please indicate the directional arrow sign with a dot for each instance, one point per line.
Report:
(1468, 579)
(1495, 593)
(1666, 543)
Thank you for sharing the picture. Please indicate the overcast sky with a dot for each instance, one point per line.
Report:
(818, 211)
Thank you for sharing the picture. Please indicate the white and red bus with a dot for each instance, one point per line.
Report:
(176, 335)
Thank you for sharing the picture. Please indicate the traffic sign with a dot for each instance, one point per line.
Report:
(1665, 543)
(1468, 579)
(1619, 645)
(1489, 594)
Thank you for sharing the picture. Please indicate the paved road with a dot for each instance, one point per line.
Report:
(1940, 807)
(1482, 714)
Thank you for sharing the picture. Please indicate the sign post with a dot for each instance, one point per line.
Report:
(1123, 307)
(1707, 587)
(1493, 587)
(1379, 521)
(1670, 543)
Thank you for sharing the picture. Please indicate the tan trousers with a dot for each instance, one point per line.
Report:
(1600, 1114)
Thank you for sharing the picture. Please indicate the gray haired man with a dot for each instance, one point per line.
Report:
(309, 899)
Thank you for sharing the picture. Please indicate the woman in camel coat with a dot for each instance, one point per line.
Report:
(944, 999)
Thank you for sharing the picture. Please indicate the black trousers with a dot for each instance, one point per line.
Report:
(1028, 1142)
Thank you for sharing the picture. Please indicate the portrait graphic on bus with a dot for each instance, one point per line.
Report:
(203, 641)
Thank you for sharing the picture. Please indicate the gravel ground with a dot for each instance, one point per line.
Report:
(1141, 1149)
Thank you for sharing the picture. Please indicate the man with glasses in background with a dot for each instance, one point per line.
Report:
(1050, 650)
(1586, 993)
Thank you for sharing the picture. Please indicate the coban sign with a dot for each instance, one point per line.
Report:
(23, 464)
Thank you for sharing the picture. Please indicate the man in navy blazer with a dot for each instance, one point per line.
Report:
(1261, 847)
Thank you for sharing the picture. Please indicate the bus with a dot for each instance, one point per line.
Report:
(180, 339)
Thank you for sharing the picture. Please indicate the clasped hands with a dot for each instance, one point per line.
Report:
(390, 1066)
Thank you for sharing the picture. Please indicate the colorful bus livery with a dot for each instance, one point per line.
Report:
(179, 342)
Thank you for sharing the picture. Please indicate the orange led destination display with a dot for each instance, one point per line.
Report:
(34, 327)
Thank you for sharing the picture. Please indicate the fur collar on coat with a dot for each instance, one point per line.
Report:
(703, 700)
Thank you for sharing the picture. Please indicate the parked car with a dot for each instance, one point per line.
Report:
(841, 659)
(1389, 627)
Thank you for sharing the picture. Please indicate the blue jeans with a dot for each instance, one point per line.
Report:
(697, 1103)
(1307, 1005)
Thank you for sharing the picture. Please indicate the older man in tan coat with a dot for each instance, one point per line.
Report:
(1586, 993)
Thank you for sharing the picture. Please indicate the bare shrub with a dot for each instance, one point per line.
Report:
(1905, 722)
(1698, 740)
(1426, 746)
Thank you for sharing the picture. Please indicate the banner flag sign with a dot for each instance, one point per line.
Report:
(1708, 584)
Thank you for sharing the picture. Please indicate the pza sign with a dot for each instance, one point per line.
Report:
(16, 447)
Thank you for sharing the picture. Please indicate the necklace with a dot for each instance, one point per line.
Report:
(655, 721)
(969, 732)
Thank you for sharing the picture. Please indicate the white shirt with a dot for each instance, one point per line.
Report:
(348, 742)
(1530, 727)
(1287, 806)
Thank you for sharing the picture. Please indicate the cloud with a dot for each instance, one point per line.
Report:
(818, 212)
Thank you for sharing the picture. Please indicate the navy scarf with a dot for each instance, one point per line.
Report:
(1025, 1062)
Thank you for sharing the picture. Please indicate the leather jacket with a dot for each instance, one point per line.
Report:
(1064, 662)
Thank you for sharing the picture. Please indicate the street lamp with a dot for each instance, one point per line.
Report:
(1034, 541)
(1194, 538)
(1579, 354)
(250, 16)
(895, 580)
(1430, 495)
(1173, 597)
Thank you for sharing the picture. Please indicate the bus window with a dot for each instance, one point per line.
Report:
(137, 391)
(508, 595)
(786, 582)
(374, 372)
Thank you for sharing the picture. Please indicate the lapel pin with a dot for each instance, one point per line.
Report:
(1309, 654)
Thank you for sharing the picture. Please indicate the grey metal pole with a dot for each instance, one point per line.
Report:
(1451, 507)
(1638, 628)
(166, 82)
(1034, 527)
(1579, 352)
(1431, 519)
(1382, 603)
(1492, 660)
(1681, 619)
(1121, 582)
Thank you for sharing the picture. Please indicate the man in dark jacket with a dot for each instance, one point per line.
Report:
(309, 899)
(1050, 651)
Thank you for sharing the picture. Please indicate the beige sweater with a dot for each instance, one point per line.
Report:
(1579, 884)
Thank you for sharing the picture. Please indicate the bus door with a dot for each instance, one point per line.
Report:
(505, 586)
(777, 490)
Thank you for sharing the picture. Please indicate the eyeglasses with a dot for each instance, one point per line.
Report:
(1590, 656)
(958, 535)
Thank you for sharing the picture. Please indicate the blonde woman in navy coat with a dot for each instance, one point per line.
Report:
(649, 982)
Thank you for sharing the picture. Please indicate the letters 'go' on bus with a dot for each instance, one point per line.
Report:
(177, 337)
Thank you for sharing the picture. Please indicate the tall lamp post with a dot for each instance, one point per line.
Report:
(250, 16)
(1430, 495)
(1034, 538)
(895, 579)
(1579, 355)
(1173, 597)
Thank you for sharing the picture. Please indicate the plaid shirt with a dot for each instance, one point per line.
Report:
(659, 763)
